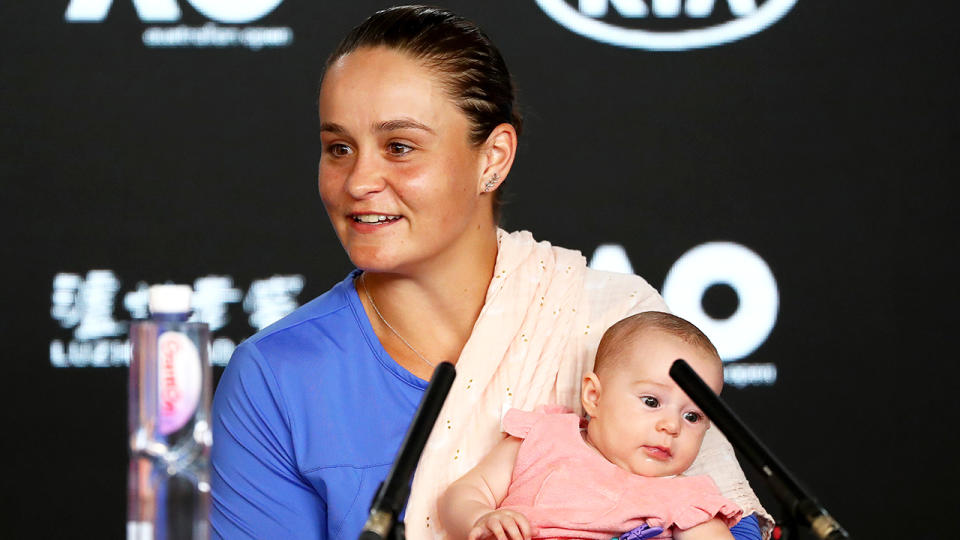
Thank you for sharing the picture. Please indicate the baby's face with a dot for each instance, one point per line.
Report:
(640, 419)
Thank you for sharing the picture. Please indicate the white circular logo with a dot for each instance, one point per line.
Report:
(725, 263)
(749, 20)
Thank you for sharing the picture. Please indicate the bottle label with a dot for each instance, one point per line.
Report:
(178, 377)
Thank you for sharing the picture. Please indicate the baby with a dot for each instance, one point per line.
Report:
(553, 479)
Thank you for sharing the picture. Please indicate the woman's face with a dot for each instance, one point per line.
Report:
(398, 176)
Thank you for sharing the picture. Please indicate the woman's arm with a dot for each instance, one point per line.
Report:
(747, 528)
(468, 507)
(715, 529)
(257, 489)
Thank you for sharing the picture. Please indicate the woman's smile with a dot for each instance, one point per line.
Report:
(364, 221)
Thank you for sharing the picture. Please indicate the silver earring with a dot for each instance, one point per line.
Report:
(492, 182)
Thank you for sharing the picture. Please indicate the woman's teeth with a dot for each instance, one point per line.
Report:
(374, 218)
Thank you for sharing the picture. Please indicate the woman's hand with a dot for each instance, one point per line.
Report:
(502, 525)
(715, 529)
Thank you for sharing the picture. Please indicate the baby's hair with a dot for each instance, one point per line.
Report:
(623, 331)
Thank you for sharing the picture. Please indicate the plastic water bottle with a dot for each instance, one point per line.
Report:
(169, 410)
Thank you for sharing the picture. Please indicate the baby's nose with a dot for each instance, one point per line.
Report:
(669, 423)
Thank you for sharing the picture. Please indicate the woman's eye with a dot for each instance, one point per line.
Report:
(338, 149)
(650, 401)
(398, 149)
(692, 417)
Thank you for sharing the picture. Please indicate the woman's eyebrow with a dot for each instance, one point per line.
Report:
(332, 128)
(402, 123)
(388, 125)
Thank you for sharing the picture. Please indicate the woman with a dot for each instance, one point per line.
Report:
(419, 129)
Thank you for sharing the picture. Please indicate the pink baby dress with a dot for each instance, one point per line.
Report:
(568, 490)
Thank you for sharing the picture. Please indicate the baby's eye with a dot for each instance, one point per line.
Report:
(650, 401)
(692, 417)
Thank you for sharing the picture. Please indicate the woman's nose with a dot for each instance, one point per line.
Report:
(365, 177)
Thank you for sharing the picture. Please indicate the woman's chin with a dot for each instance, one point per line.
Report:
(370, 264)
(378, 259)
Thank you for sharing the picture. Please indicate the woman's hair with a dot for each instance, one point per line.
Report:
(620, 333)
(466, 62)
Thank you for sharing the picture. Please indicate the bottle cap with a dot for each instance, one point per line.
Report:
(170, 298)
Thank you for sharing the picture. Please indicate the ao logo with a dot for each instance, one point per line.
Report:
(225, 11)
(725, 263)
(714, 263)
(584, 20)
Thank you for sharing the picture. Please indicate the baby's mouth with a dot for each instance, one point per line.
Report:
(660, 453)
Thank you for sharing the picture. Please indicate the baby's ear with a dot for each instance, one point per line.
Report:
(590, 393)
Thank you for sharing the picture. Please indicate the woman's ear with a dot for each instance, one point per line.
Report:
(590, 394)
(499, 152)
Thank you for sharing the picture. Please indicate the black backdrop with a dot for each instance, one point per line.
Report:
(823, 143)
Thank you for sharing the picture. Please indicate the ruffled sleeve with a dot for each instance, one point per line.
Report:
(518, 423)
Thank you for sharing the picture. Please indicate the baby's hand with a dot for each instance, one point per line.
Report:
(502, 525)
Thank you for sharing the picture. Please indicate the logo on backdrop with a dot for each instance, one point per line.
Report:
(666, 25)
(209, 35)
(689, 283)
(87, 306)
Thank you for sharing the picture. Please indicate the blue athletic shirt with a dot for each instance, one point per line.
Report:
(307, 419)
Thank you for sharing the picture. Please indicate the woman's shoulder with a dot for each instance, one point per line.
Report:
(303, 339)
(619, 294)
(328, 339)
(604, 280)
(326, 306)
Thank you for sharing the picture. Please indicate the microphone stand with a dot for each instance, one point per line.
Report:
(383, 522)
(800, 506)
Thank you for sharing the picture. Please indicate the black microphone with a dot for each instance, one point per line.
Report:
(795, 499)
(392, 494)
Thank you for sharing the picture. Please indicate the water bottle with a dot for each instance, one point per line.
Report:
(169, 420)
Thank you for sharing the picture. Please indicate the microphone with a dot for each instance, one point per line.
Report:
(392, 494)
(794, 498)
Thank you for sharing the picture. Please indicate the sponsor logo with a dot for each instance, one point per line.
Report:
(666, 25)
(210, 34)
(178, 381)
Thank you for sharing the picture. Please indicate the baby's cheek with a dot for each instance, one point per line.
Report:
(692, 448)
